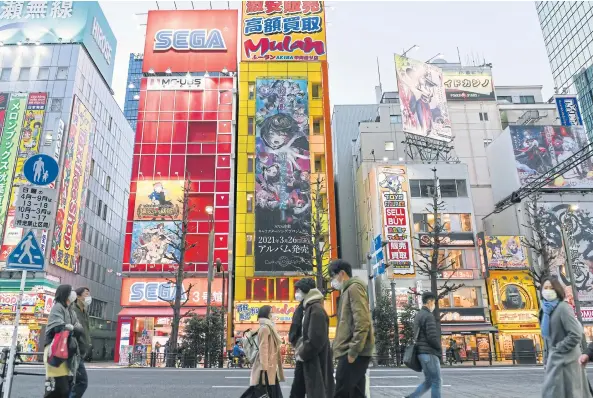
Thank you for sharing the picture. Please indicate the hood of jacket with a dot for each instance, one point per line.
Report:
(313, 295)
(352, 281)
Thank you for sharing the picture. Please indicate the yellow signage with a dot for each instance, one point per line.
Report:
(516, 316)
(246, 311)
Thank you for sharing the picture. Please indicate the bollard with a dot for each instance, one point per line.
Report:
(490, 357)
(475, 357)
(513, 357)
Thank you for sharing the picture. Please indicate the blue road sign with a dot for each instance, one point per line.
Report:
(27, 255)
(41, 169)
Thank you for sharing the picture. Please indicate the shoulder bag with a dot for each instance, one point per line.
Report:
(411, 355)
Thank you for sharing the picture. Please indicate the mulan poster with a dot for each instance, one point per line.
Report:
(282, 181)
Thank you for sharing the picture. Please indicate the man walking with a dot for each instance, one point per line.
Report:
(80, 307)
(354, 342)
(428, 347)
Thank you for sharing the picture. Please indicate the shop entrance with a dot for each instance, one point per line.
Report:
(470, 344)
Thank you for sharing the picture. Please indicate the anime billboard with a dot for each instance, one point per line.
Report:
(505, 252)
(153, 240)
(540, 148)
(158, 200)
(282, 166)
(422, 99)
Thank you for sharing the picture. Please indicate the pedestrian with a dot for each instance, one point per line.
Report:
(80, 308)
(267, 367)
(62, 317)
(295, 335)
(314, 351)
(587, 357)
(564, 376)
(354, 343)
(428, 347)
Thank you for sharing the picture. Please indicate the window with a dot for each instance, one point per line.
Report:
(483, 116)
(461, 188)
(250, 163)
(317, 125)
(108, 183)
(389, 146)
(62, 73)
(282, 289)
(250, 126)
(466, 297)
(251, 88)
(43, 74)
(92, 167)
(451, 222)
(527, 99)
(96, 239)
(99, 207)
(319, 164)
(88, 198)
(260, 289)
(395, 119)
(316, 90)
(249, 203)
(56, 104)
(448, 188)
(97, 308)
(104, 212)
(249, 245)
(5, 75)
(109, 124)
(505, 98)
(25, 74)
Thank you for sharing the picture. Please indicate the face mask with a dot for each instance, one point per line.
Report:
(72, 297)
(336, 284)
(549, 295)
(299, 296)
(88, 300)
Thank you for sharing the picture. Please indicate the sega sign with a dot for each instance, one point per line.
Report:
(187, 39)
(153, 292)
(159, 292)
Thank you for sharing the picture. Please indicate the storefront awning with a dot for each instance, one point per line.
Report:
(469, 327)
(159, 311)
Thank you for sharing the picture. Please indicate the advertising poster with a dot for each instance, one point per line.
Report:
(578, 223)
(151, 292)
(505, 253)
(514, 297)
(246, 311)
(283, 31)
(13, 121)
(540, 148)
(282, 182)
(158, 200)
(393, 187)
(75, 175)
(466, 85)
(12, 236)
(422, 99)
(153, 240)
(568, 111)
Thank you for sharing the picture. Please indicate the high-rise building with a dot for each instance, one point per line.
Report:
(56, 83)
(133, 89)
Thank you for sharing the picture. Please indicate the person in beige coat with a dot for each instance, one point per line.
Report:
(268, 361)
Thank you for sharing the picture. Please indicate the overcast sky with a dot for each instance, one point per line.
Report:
(507, 34)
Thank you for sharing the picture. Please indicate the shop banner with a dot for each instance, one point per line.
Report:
(159, 292)
(158, 200)
(516, 316)
(587, 314)
(568, 111)
(75, 175)
(505, 253)
(451, 239)
(246, 311)
(283, 31)
(462, 315)
(175, 83)
(422, 99)
(393, 194)
(467, 85)
(155, 242)
(538, 149)
(12, 237)
(8, 150)
(33, 303)
(457, 274)
(282, 177)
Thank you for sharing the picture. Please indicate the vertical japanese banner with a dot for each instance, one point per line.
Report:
(8, 150)
(393, 188)
(75, 174)
(282, 182)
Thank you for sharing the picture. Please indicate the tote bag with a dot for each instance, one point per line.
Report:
(259, 391)
(411, 355)
(59, 348)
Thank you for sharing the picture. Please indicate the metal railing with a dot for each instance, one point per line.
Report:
(33, 358)
(475, 359)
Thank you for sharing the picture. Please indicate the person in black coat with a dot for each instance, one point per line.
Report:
(315, 351)
(295, 335)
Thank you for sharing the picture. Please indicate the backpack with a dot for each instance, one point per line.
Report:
(250, 345)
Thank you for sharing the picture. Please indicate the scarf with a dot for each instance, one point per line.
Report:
(272, 327)
(548, 307)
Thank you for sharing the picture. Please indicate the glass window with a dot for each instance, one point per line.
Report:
(505, 98)
(317, 126)
(486, 116)
(527, 99)
(419, 222)
(249, 245)
(251, 88)
(461, 188)
(5, 76)
(62, 73)
(470, 259)
(466, 297)
(250, 163)
(249, 203)
(99, 207)
(25, 74)
(56, 104)
(104, 212)
(448, 188)
(456, 259)
(426, 188)
(92, 167)
(395, 119)
(415, 188)
(43, 74)
(108, 183)
(316, 90)
(389, 146)
(250, 126)
(465, 219)
(260, 291)
(282, 289)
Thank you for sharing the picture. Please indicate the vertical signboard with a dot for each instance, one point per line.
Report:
(393, 187)
(8, 150)
(568, 111)
(31, 134)
(282, 182)
(75, 174)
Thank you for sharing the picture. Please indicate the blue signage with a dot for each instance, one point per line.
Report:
(55, 22)
(568, 110)
(27, 255)
(379, 264)
(186, 39)
(41, 169)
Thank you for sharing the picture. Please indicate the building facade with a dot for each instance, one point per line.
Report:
(68, 112)
(133, 89)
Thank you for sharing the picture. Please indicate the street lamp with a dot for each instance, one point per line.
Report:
(210, 211)
(220, 269)
(439, 55)
(414, 47)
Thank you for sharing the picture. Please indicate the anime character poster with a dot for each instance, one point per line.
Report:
(540, 148)
(158, 200)
(282, 182)
(152, 241)
(423, 99)
(506, 252)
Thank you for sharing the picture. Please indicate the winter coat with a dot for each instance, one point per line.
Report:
(564, 376)
(354, 333)
(84, 341)
(429, 341)
(268, 358)
(59, 317)
(315, 350)
(590, 352)
(296, 327)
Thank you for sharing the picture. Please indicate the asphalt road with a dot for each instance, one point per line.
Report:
(502, 382)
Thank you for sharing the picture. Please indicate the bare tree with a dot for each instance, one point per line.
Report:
(429, 261)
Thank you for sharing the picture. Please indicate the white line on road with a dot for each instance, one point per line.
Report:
(444, 385)
(394, 377)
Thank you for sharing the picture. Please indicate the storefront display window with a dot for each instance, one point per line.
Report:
(451, 222)
(466, 297)
(469, 345)
(588, 333)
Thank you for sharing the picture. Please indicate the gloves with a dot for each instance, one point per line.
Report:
(69, 327)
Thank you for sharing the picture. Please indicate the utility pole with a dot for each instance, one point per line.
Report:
(371, 286)
(210, 211)
(566, 241)
(396, 334)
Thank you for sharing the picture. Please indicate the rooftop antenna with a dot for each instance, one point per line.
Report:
(379, 74)
(210, 5)
(458, 55)
(157, 5)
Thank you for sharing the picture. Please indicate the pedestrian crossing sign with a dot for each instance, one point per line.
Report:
(27, 255)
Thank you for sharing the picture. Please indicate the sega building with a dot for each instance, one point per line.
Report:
(185, 132)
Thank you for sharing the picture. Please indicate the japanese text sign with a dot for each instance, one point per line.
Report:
(246, 311)
(158, 292)
(35, 207)
(568, 111)
(283, 31)
(468, 85)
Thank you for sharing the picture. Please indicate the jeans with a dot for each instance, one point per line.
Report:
(351, 377)
(431, 367)
(82, 382)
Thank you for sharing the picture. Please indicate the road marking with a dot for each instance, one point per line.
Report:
(249, 377)
(245, 387)
(394, 377)
(443, 385)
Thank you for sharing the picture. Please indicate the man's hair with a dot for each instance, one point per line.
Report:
(427, 296)
(340, 265)
(80, 291)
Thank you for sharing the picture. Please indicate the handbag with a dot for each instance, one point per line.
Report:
(411, 355)
(58, 351)
(259, 391)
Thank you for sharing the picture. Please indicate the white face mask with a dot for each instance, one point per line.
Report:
(72, 297)
(336, 284)
(299, 296)
(549, 294)
(87, 301)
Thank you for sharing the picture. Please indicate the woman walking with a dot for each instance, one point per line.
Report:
(562, 333)
(267, 367)
(61, 317)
